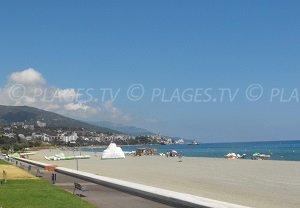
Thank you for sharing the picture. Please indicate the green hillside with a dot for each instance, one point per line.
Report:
(9, 114)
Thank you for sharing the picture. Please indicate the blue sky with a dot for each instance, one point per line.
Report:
(165, 44)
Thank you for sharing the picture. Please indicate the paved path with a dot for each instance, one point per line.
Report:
(98, 195)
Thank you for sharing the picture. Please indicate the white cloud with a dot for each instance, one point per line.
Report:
(52, 107)
(28, 77)
(28, 87)
(76, 106)
(112, 113)
(109, 107)
(67, 94)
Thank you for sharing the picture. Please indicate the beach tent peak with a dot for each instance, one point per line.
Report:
(113, 152)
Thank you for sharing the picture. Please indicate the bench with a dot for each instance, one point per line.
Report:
(78, 186)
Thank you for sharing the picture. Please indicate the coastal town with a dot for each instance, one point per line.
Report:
(19, 135)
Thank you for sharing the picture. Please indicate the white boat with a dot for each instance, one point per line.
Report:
(258, 156)
(194, 143)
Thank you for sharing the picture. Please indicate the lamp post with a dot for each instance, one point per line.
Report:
(76, 163)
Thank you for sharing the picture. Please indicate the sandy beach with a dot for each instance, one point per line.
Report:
(261, 184)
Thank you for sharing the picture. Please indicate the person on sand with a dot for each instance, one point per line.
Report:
(180, 157)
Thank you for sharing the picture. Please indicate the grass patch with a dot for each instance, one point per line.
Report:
(3, 162)
(36, 194)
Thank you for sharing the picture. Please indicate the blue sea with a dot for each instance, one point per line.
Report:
(280, 150)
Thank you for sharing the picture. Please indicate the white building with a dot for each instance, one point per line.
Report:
(179, 141)
(72, 138)
(41, 124)
(9, 135)
(46, 138)
(31, 127)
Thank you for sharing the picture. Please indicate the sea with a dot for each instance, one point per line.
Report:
(279, 150)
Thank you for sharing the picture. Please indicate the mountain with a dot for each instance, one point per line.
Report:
(9, 114)
(130, 130)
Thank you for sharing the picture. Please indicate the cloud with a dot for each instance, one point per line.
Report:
(76, 106)
(67, 94)
(109, 107)
(28, 87)
(115, 113)
(28, 77)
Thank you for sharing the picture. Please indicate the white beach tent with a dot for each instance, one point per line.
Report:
(113, 152)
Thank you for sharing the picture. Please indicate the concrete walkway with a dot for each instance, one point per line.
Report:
(98, 195)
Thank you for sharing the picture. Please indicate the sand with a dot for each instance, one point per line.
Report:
(261, 184)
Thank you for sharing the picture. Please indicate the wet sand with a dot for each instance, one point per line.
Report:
(261, 184)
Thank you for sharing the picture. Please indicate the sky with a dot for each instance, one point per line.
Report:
(213, 71)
